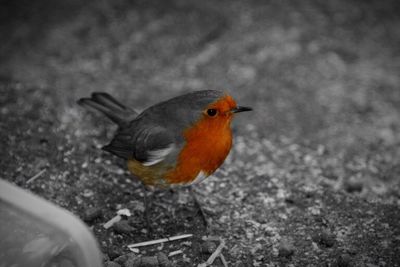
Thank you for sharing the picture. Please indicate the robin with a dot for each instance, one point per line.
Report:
(178, 142)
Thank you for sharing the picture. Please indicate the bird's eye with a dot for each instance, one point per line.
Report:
(211, 112)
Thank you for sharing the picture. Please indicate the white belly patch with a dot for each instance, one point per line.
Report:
(199, 178)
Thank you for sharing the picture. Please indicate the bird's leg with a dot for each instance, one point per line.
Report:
(148, 202)
(175, 205)
(200, 210)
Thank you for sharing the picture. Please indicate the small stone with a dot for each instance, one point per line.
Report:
(123, 227)
(344, 260)
(133, 262)
(112, 253)
(148, 261)
(105, 257)
(353, 185)
(326, 238)
(163, 260)
(208, 247)
(88, 193)
(123, 258)
(290, 200)
(111, 264)
(92, 214)
(286, 248)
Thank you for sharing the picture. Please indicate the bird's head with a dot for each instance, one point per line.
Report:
(223, 107)
(210, 107)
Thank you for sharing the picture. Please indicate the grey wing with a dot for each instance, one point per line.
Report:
(150, 144)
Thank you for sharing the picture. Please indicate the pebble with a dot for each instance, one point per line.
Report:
(123, 258)
(132, 261)
(286, 248)
(163, 260)
(112, 253)
(208, 247)
(123, 227)
(326, 238)
(147, 261)
(92, 214)
(344, 260)
(353, 186)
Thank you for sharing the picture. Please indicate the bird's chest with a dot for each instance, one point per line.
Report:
(204, 151)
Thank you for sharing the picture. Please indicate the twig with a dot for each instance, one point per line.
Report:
(115, 219)
(223, 260)
(158, 241)
(213, 256)
(111, 222)
(36, 176)
(134, 250)
(176, 252)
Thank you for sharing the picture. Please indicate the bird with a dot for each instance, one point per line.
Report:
(177, 142)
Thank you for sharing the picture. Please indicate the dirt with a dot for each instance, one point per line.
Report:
(313, 178)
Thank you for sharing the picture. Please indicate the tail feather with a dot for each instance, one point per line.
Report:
(109, 101)
(110, 107)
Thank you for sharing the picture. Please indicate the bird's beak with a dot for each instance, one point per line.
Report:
(240, 109)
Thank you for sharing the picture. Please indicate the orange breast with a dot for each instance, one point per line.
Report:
(208, 143)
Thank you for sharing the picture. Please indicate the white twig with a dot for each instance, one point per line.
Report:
(176, 252)
(134, 250)
(124, 212)
(158, 241)
(117, 218)
(213, 256)
(111, 222)
(36, 176)
(223, 260)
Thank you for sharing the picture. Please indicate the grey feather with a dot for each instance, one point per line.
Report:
(148, 136)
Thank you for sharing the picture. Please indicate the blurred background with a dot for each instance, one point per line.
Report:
(322, 76)
(326, 71)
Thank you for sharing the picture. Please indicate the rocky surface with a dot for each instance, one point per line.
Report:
(313, 178)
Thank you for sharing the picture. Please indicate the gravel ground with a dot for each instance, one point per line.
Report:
(313, 178)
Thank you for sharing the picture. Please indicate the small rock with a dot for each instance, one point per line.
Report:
(148, 261)
(133, 262)
(353, 185)
(344, 260)
(92, 214)
(123, 227)
(351, 250)
(208, 247)
(123, 258)
(105, 257)
(163, 260)
(326, 238)
(112, 253)
(286, 248)
(88, 193)
(111, 264)
(290, 200)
